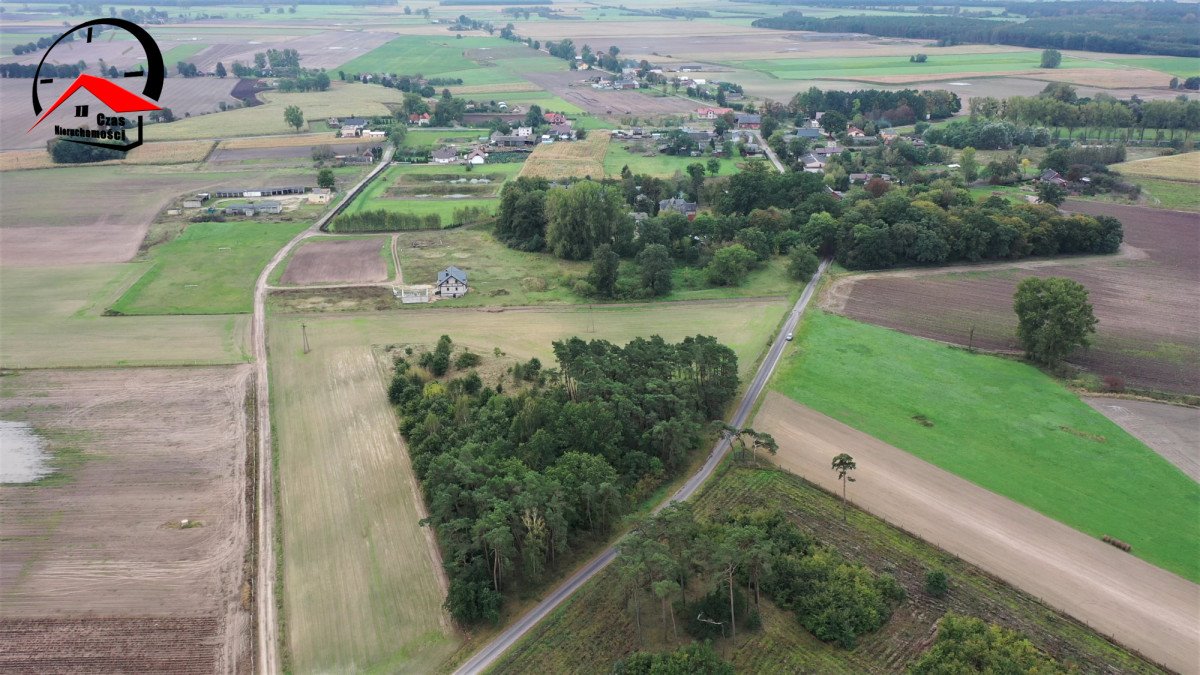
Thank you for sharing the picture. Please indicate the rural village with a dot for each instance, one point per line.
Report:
(555, 336)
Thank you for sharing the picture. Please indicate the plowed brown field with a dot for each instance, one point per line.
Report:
(96, 571)
(1147, 301)
(350, 261)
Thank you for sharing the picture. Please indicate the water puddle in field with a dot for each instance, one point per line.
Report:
(23, 456)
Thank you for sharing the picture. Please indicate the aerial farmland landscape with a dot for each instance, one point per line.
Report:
(560, 336)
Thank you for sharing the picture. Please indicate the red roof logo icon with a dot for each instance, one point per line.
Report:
(110, 94)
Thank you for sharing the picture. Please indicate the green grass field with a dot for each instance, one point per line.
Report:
(1170, 194)
(1182, 67)
(658, 165)
(596, 626)
(209, 269)
(1002, 425)
(866, 67)
(375, 195)
(53, 318)
(431, 55)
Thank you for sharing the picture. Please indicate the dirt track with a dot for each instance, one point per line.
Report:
(1143, 607)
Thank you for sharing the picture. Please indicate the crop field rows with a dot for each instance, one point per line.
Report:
(575, 159)
(109, 645)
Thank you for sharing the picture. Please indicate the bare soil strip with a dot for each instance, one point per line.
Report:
(1143, 607)
(350, 261)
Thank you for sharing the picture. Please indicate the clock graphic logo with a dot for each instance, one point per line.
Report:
(120, 94)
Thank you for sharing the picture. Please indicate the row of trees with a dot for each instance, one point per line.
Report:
(1120, 34)
(513, 481)
(1060, 107)
(903, 106)
(737, 559)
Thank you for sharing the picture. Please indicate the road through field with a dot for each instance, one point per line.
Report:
(264, 591)
(1142, 606)
(488, 654)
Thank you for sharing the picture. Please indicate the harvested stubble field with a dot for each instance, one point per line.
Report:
(1184, 167)
(109, 211)
(53, 318)
(570, 159)
(332, 261)
(596, 627)
(170, 152)
(95, 567)
(298, 153)
(328, 49)
(1148, 307)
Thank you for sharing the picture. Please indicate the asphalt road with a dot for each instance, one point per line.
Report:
(490, 652)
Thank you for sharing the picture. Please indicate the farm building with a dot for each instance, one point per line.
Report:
(233, 193)
(812, 163)
(523, 132)
(748, 121)
(254, 208)
(810, 133)
(854, 132)
(864, 177)
(679, 205)
(196, 201)
(320, 196)
(563, 132)
(352, 125)
(373, 133)
(452, 283)
(625, 84)
(506, 141)
(476, 156)
(444, 156)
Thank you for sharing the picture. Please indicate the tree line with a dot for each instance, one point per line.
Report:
(899, 107)
(516, 480)
(1100, 33)
(1059, 106)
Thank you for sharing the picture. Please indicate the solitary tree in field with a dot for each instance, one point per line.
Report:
(221, 72)
(293, 116)
(713, 167)
(843, 464)
(1054, 318)
(1051, 58)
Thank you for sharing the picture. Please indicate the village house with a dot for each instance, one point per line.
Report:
(827, 151)
(748, 121)
(421, 120)
(678, 205)
(476, 156)
(712, 113)
(625, 84)
(807, 133)
(523, 132)
(555, 118)
(373, 133)
(509, 141)
(444, 156)
(1053, 177)
(563, 132)
(812, 163)
(854, 132)
(452, 283)
(351, 126)
(320, 196)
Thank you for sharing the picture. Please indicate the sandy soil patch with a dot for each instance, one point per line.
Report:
(1172, 431)
(148, 448)
(1145, 298)
(350, 261)
(1144, 607)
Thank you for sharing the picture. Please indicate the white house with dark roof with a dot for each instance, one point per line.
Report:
(444, 156)
(452, 283)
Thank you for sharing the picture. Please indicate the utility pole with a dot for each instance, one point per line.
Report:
(971, 342)
(304, 332)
